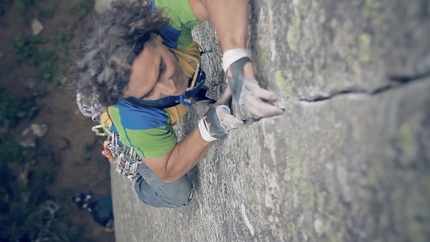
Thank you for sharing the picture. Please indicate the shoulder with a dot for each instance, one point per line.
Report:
(136, 117)
(148, 130)
(179, 12)
(181, 20)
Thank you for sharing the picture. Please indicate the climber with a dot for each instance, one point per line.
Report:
(136, 70)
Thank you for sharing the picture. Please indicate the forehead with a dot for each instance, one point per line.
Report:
(144, 71)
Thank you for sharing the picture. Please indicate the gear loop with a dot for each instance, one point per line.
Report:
(126, 158)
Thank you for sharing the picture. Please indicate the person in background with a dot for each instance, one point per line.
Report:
(82, 199)
(101, 210)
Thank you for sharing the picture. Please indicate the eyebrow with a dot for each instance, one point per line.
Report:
(158, 77)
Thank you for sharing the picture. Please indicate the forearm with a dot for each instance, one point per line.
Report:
(185, 155)
(216, 124)
(230, 19)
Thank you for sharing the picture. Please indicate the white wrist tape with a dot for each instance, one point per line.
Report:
(204, 132)
(230, 56)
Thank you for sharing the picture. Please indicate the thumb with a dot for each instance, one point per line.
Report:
(229, 121)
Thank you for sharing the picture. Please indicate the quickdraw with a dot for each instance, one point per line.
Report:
(126, 158)
(101, 130)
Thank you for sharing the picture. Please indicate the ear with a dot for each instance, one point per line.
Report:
(156, 37)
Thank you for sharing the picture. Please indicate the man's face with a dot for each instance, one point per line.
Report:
(156, 73)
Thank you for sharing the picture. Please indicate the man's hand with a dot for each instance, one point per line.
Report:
(228, 121)
(230, 19)
(247, 92)
(106, 152)
(217, 123)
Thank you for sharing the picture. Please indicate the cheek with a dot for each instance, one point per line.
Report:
(171, 62)
(174, 65)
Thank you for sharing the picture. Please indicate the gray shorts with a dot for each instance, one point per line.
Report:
(158, 193)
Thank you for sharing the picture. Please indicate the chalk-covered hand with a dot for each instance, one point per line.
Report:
(246, 90)
(217, 122)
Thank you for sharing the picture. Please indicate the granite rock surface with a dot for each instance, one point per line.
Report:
(349, 160)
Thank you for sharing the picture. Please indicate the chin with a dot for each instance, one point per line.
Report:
(181, 90)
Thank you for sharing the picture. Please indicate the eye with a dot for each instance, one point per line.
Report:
(149, 94)
(162, 68)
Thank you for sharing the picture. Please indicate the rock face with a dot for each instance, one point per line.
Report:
(349, 159)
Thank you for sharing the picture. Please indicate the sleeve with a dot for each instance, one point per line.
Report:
(147, 130)
(182, 20)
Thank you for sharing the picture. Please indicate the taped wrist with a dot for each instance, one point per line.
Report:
(214, 129)
(231, 56)
(237, 82)
(204, 131)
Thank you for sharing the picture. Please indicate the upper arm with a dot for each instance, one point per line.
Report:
(199, 9)
(154, 146)
(158, 165)
(181, 20)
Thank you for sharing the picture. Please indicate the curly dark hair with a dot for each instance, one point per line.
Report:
(105, 53)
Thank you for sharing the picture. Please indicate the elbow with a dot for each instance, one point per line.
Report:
(169, 179)
(164, 168)
(162, 174)
(165, 176)
(168, 176)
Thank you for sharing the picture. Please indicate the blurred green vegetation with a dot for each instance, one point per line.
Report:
(25, 4)
(31, 50)
(14, 109)
(46, 13)
(3, 3)
(47, 56)
(27, 211)
(82, 8)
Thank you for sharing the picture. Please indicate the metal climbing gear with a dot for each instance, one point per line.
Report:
(101, 130)
(126, 158)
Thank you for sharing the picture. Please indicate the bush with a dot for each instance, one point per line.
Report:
(47, 13)
(14, 109)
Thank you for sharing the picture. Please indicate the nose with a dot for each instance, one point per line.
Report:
(167, 87)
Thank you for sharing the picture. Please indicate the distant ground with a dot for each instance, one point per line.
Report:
(77, 164)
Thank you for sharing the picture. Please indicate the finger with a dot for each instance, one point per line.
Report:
(106, 143)
(225, 96)
(107, 153)
(109, 156)
(230, 122)
(261, 109)
(260, 92)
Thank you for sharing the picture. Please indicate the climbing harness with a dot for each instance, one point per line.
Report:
(126, 158)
